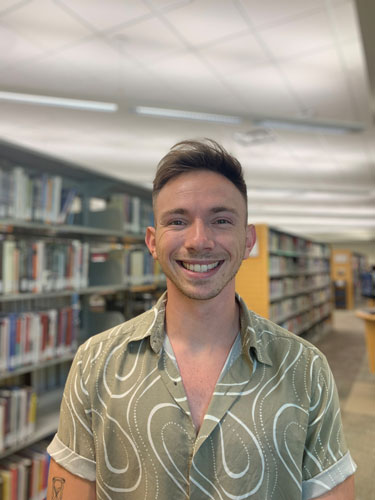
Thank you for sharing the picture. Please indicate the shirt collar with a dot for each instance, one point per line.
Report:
(251, 334)
(152, 325)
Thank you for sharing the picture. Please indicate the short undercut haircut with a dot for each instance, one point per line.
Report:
(189, 156)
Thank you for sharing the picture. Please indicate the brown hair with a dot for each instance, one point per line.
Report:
(187, 156)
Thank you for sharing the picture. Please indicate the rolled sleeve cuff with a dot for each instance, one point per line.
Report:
(71, 461)
(329, 478)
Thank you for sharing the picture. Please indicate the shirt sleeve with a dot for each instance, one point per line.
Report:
(327, 461)
(73, 446)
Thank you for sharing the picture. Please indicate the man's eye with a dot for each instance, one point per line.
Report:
(222, 221)
(176, 223)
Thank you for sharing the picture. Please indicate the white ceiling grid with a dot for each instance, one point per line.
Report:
(275, 58)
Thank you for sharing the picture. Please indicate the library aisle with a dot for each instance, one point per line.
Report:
(345, 349)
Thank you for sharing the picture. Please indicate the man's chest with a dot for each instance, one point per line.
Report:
(145, 428)
(199, 376)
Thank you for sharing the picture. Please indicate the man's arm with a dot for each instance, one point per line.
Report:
(63, 485)
(344, 491)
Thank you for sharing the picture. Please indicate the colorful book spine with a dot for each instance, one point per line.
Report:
(17, 412)
(42, 265)
(24, 475)
(30, 337)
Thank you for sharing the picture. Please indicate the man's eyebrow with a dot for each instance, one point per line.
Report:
(214, 210)
(223, 208)
(174, 211)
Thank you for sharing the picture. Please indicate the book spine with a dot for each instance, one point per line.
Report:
(56, 198)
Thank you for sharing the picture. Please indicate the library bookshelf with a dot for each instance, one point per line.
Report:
(346, 269)
(287, 280)
(72, 259)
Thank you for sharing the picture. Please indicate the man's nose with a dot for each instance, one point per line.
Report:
(199, 236)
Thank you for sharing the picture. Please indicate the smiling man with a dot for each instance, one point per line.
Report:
(199, 397)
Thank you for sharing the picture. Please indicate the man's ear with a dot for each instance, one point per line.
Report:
(150, 241)
(251, 238)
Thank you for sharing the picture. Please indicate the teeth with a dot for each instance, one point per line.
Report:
(200, 268)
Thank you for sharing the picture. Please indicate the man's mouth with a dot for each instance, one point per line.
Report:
(199, 268)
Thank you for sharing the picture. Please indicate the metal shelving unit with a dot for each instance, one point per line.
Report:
(105, 227)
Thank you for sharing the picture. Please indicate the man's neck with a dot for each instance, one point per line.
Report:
(202, 324)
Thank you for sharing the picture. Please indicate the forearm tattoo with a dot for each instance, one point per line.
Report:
(57, 488)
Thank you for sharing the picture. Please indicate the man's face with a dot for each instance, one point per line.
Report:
(201, 234)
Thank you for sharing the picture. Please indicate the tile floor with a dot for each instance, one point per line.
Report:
(345, 349)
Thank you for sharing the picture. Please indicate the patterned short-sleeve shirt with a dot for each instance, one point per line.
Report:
(272, 429)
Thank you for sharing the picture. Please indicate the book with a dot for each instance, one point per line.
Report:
(6, 480)
(18, 411)
(66, 202)
(9, 246)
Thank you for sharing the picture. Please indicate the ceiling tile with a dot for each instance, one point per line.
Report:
(94, 56)
(135, 88)
(148, 41)
(187, 78)
(15, 48)
(353, 61)
(7, 5)
(298, 37)
(320, 82)
(345, 22)
(264, 92)
(51, 76)
(52, 30)
(268, 11)
(206, 21)
(161, 4)
(235, 55)
(271, 12)
(103, 15)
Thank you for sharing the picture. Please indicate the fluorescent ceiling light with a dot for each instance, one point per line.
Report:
(60, 102)
(317, 127)
(187, 115)
(298, 195)
(322, 211)
(306, 221)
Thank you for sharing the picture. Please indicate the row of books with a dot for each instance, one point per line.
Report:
(283, 265)
(320, 296)
(51, 378)
(17, 415)
(280, 287)
(30, 337)
(24, 476)
(43, 265)
(301, 303)
(302, 322)
(37, 265)
(114, 264)
(136, 214)
(141, 268)
(34, 197)
(291, 306)
(288, 243)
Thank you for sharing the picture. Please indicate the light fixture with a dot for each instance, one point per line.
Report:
(254, 137)
(60, 102)
(271, 195)
(187, 115)
(311, 126)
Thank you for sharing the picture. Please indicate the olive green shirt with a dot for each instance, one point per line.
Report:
(272, 429)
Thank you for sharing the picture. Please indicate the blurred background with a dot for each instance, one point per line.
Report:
(286, 85)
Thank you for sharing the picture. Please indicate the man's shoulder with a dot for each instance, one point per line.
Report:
(123, 333)
(275, 342)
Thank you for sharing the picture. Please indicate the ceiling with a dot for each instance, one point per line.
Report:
(286, 59)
